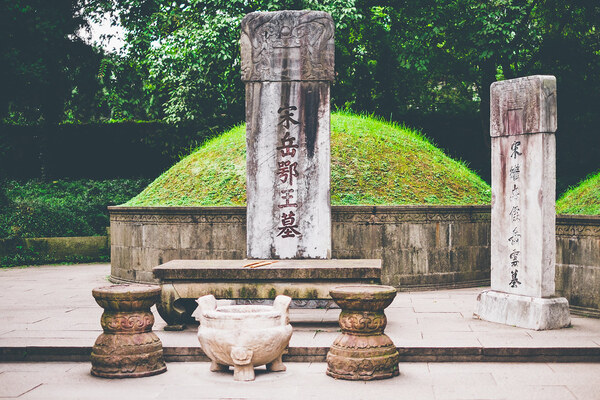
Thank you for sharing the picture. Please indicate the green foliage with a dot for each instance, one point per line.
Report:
(581, 199)
(401, 60)
(412, 171)
(44, 64)
(123, 94)
(477, 42)
(26, 257)
(62, 208)
(187, 53)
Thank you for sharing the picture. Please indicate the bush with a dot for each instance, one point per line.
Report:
(62, 208)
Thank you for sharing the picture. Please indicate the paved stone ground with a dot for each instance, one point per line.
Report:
(182, 381)
(53, 306)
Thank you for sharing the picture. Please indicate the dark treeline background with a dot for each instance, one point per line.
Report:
(425, 63)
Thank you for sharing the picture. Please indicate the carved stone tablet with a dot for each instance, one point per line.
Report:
(287, 46)
(523, 244)
(523, 185)
(287, 63)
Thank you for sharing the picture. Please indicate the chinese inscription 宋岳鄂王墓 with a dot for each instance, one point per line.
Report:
(287, 172)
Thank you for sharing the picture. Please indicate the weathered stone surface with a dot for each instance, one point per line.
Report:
(523, 105)
(578, 262)
(402, 236)
(523, 311)
(523, 243)
(287, 64)
(360, 232)
(362, 351)
(244, 336)
(287, 46)
(523, 214)
(128, 348)
(235, 270)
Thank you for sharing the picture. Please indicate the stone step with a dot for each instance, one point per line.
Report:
(318, 354)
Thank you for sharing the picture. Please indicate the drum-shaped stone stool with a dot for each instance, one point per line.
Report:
(128, 348)
(362, 351)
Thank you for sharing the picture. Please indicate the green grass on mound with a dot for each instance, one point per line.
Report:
(373, 162)
(581, 199)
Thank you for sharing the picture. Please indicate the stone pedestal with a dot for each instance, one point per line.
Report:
(287, 66)
(523, 244)
(128, 348)
(363, 351)
(523, 311)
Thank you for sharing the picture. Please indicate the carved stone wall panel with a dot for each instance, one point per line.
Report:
(409, 240)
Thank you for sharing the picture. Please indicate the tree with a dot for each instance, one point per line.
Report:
(407, 60)
(188, 52)
(44, 62)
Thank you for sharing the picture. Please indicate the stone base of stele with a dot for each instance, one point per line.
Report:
(523, 311)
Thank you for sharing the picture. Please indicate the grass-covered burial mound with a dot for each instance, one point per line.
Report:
(373, 163)
(581, 199)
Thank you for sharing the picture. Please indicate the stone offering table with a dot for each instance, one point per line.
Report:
(183, 281)
(363, 351)
(128, 348)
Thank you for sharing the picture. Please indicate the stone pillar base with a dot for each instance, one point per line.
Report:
(523, 311)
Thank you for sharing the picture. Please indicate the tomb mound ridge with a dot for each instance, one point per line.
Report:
(581, 199)
(373, 163)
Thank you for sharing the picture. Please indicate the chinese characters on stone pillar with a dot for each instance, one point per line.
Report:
(287, 173)
(515, 212)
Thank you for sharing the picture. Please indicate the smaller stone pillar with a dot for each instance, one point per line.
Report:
(523, 244)
(128, 348)
(363, 352)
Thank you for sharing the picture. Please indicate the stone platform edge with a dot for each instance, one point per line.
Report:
(318, 354)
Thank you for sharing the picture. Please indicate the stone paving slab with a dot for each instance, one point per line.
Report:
(48, 312)
(193, 380)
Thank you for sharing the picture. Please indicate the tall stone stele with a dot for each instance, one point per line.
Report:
(523, 245)
(287, 67)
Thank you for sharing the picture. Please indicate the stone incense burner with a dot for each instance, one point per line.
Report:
(244, 336)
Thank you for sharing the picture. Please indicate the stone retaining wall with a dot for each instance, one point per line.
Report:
(422, 246)
(578, 261)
